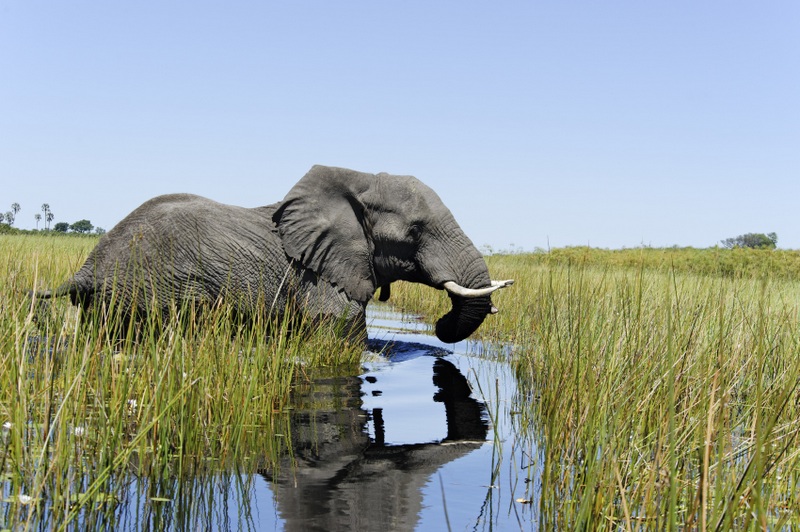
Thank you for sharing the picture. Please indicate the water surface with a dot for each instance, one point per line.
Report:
(423, 439)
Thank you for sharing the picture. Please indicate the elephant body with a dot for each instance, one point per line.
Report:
(321, 252)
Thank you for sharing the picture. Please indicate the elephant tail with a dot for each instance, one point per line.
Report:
(66, 289)
(72, 288)
(40, 294)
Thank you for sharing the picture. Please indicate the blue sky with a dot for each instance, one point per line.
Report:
(612, 124)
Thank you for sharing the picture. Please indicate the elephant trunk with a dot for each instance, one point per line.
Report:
(464, 319)
(469, 289)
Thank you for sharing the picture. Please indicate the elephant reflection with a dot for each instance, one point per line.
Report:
(342, 479)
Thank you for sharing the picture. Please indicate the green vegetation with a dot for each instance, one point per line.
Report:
(84, 417)
(659, 386)
(81, 226)
(658, 391)
(752, 240)
(736, 263)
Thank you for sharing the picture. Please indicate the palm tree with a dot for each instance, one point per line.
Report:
(37, 217)
(47, 215)
(12, 214)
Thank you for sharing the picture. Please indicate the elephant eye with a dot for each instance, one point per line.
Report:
(415, 231)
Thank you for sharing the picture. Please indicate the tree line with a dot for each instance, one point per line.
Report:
(748, 240)
(81, 226)
(752, 241)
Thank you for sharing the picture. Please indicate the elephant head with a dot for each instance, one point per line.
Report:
(362, 231)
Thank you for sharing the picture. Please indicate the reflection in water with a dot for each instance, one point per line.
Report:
(341, 478)
(393, 449)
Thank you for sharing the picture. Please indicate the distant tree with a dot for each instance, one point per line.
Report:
(774, 238)
(48, 215)
(99, 231)
(753, 241)
(11, 215)
(82, 226)
(61, 227)
(38, 218)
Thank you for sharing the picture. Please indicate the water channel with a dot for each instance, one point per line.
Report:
(424, 439)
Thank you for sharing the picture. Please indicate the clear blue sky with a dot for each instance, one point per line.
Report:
(613, 124)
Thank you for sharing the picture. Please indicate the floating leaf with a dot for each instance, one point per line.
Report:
(21, 498)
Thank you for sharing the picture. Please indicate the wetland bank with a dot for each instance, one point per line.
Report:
(618, 390)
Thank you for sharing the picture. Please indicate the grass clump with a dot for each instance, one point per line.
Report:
(86, 415)
(653, 396)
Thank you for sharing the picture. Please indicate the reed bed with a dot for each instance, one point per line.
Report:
(653, 396)
(736, 263)
(88, 419)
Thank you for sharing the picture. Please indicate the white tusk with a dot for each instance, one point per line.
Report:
(458, 290)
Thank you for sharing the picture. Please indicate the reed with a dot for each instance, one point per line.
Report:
(85, 414)
(653, 396)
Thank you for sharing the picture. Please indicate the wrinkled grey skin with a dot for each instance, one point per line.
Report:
(323, 251)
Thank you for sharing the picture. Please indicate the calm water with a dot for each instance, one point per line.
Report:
(423, 439)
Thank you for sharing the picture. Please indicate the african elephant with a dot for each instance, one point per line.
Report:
(336, 237)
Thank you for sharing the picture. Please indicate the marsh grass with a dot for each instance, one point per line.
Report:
(652, 397)
(87, 414)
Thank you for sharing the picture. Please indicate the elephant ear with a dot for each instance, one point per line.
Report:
(322, 224)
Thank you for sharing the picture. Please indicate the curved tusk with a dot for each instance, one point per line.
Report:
(458, 290)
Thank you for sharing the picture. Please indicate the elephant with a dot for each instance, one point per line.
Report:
(322, 252)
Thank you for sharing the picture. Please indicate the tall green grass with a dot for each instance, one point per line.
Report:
(652, 396)
(85, 414)
(737, 263)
